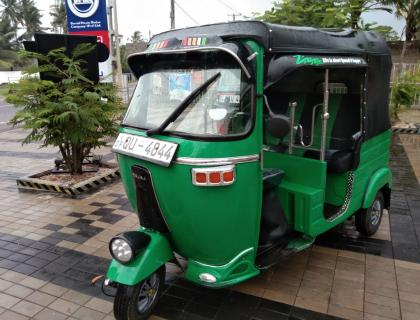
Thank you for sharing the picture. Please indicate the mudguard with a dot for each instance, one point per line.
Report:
(379, 179)
(150, 258)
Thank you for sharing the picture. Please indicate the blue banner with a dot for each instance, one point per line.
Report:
(86, 15)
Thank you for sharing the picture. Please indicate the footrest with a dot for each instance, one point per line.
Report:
(300, 244)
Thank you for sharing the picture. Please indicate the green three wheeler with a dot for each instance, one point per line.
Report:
(243, 142)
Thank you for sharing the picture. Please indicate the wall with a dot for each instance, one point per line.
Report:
(10, 76)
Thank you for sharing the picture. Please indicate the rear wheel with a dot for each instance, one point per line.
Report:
(368, 220)
(137, 302)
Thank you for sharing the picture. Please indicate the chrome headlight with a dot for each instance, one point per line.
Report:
(121, 250)
(125, 246)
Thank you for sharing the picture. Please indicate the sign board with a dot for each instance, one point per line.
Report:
(89, 17)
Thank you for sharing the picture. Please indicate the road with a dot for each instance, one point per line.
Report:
(7, 111)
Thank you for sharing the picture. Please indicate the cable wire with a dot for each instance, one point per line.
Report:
(186, 13)
(229, 7)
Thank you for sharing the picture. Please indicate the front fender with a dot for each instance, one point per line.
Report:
(379, 179)
(147, 261)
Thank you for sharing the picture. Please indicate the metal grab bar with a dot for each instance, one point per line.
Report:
(292, 106)
(300, 128)
(325, 115)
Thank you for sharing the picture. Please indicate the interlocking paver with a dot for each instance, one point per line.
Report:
(53, 289)
(88, 314)
(4, 284)
(26, 308)
(40, 298)
(19, 291)
(7, 301)
(10, 315)
(318, 305)
(57, 241)
(344, 312)
(64, 306)
(48, 314)
(99, 305)
(12, 276)
(32, 282)
(76, 297)
(410, 308)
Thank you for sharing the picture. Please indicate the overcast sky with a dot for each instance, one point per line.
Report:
(153, 15)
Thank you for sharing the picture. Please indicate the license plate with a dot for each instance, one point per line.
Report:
(153, 150)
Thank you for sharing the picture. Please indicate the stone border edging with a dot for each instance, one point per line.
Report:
(36, 184)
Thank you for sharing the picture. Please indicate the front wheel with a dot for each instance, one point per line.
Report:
(137, 302)
(368, 220)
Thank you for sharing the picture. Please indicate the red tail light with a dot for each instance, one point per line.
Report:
(216, 176)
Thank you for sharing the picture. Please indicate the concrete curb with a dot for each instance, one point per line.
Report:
(35, 184)
(406, 130)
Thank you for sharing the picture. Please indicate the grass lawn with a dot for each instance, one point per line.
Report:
(4, 89)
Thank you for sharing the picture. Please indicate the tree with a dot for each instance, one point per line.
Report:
(137, 37)
(7, 45)
(73, 113)
(30, 18)
(356, 8)
(59, 17)
(404, 92)
(11, 11)
(320, 13)
(124, 63)
(387, 32)
(313, 13)
(410, 11)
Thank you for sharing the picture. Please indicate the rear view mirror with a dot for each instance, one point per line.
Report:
(278, 126)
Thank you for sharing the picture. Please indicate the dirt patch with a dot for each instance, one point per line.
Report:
(68, 180)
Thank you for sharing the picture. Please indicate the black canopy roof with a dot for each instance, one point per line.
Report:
(280, 39)
(283, 42)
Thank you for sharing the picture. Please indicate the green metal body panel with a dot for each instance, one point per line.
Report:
(382, 177)
(239, 269)
(306, 185)
(217, 228)
(301, 191)
(210, 226)
(374, 156)
(148, 260)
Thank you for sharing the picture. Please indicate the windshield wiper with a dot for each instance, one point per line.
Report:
(182, 106)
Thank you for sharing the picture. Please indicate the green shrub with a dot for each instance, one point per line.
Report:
(404, 92)
(73, 114)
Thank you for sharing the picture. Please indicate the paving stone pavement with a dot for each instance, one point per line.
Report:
(52, 246)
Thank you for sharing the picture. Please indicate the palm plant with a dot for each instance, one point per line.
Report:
(59, 17)
(7, 44)
(322, 13)
(410, 11)
(30, 18)
(357, 7)
(10, 10)
(387, 32)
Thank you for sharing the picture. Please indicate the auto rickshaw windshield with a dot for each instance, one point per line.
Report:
(222, 108)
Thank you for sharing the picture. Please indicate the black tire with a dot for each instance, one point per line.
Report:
(127, 304)
(368, 220)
